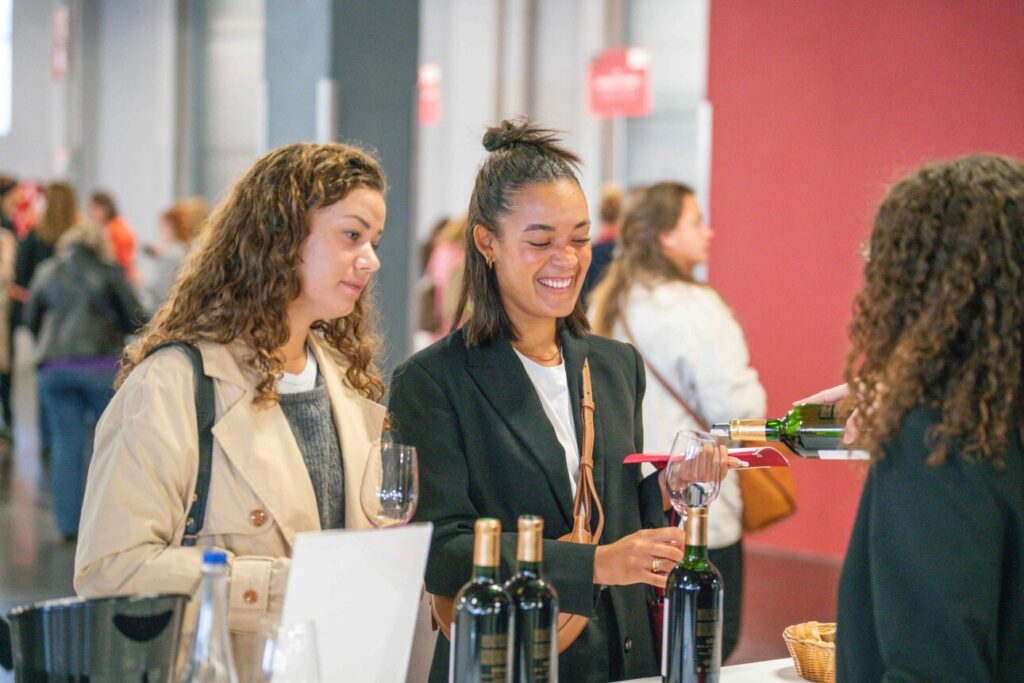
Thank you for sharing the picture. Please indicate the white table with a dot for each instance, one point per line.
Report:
(755, 672)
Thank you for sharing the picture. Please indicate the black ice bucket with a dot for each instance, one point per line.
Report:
(102, 640)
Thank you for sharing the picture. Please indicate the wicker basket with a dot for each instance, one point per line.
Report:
(813, 647)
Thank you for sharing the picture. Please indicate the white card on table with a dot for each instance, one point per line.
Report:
(361, 589)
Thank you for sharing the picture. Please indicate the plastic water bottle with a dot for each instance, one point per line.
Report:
(210, 659)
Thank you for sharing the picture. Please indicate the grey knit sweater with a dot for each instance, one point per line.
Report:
(312, 422)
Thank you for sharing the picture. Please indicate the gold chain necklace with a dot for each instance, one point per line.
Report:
(543, 360)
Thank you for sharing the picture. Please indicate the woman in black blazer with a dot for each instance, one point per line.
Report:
(489, 438)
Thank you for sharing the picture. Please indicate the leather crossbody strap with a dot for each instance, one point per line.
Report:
(587, 502)
(661, 380)
(205, 413)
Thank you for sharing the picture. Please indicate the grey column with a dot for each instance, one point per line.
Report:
(376, 48)
(369, 48)
(298, 54)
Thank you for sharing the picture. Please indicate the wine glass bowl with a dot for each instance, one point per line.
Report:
(287, 654)
(390, 486)
(695, 469)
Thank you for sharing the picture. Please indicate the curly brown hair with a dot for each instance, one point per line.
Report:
(238, 281)
(940, 321)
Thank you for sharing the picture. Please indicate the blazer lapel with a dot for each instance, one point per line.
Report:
(500, 376)
(259, 443)
(359, 421)
(574, 352)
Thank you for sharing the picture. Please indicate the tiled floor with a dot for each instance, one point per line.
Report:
(36, 564)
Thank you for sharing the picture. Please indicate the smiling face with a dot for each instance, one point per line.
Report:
(688, 243)
(542, 254)
(338, 257)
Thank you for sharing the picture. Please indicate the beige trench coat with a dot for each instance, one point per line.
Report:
(144, 471)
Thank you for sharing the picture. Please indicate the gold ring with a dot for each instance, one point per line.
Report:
(656, 565)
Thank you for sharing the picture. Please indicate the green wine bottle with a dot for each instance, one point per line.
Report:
(534, 610)
(811, 430)
(479, 637)
(692, 632)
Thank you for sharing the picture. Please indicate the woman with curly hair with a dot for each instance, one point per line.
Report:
(933, 583)
(275, 298)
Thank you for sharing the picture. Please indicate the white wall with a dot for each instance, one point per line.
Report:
(28, 150)
(135, 109)
(501, 59)
(232, 96)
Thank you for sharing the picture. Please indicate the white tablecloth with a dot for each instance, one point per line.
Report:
(755, 672)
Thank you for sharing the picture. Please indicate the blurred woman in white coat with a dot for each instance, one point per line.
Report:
(697, 362)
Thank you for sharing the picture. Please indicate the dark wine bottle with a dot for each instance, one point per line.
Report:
(534, 652)
(692, 632)
(811, 430)
(479, 637)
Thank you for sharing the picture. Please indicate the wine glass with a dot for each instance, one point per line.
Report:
(391, 482)
(695, 469)
(287, 654)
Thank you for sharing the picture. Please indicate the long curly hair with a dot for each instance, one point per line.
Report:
(239, 279)
(940, 321)
(641, 260)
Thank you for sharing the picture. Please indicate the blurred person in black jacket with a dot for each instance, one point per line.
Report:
(933, 583)
(80, 309)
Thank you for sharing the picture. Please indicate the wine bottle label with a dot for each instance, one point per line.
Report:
(827, 411)
(542, 646)
(707, 637)
(451, 654)
(844, 455)
(493, 651)
(664, 637)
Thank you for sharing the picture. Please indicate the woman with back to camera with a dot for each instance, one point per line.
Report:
(494, 409)
(80, 310)
(691, 344)
(933, 583)
(275, 298)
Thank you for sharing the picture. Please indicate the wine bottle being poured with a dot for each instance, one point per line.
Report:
(811, 430)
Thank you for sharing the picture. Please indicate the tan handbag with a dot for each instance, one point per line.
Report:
(769, 494)
(570, 626)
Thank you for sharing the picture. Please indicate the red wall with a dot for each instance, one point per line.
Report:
(818, 104)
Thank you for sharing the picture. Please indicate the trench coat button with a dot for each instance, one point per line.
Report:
(258, 518)
(628, 645)
(250, 597)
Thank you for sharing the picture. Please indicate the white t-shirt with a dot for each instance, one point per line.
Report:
(553, 390)
(304, 381)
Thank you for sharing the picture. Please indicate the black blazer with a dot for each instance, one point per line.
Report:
(933, 583)
(487, 449)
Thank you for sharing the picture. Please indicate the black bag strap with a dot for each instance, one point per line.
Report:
(204, 418)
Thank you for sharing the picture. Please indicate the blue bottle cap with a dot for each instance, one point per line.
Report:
(214, 556)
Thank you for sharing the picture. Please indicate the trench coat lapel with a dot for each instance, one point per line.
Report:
(574, 352)
(500, 376)
(258, 442)
(359, 421)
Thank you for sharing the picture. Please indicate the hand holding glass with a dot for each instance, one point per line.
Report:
(390, 488)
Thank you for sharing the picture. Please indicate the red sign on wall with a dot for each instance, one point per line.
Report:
(428, 83)
(619, 83)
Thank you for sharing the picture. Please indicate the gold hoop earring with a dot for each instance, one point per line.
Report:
(490, 261)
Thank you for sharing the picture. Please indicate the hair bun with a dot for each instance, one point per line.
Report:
(517, 132)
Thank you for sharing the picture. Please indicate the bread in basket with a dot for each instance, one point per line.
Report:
(813, 647)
